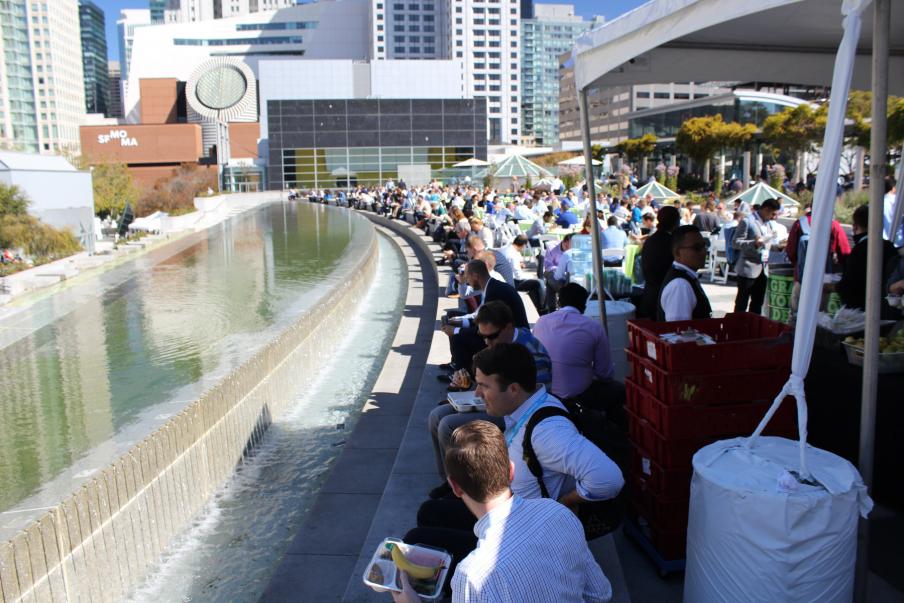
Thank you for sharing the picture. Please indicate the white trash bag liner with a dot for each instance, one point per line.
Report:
(756, 533)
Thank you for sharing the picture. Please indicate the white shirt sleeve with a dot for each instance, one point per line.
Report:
(678, 300)
(561, 448)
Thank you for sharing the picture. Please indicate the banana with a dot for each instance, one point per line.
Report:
(418, 572)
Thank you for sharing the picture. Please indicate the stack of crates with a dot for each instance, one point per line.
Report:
(683, 396)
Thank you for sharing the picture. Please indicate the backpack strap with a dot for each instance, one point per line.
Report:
(527, 447)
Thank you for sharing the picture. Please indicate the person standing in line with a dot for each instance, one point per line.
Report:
(754, 238)
(656, 258)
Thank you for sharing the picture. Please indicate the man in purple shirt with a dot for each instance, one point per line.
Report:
(551, 260)
(582, 368)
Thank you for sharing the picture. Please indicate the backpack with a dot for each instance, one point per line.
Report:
(598, 517)
(802, 243)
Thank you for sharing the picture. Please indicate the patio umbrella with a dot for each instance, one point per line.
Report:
(545, 184)
(472, 162)
(761, 191)
(578, 161)
(657, 191)
(516, 166)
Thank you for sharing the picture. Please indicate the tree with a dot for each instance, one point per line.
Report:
(796, 129)
(13, 202)
(113, 188)
(635, 149)
(699, 138)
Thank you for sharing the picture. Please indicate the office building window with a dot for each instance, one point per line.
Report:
(643, 95)
(660, 95)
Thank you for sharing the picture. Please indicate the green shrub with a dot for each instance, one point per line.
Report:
(42, 242)
(13, 202)
(845, 206)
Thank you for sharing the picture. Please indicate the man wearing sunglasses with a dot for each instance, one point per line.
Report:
(682, 296)
(495, 324)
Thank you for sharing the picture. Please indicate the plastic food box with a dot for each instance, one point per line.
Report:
(428, 590)
(888, 362)
(743, 341)
(466, 402)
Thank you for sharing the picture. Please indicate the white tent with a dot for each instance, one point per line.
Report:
(773, 41)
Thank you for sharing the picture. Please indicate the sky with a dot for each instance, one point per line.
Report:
(586, 8)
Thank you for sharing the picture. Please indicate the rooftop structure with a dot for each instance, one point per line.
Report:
(185, 11)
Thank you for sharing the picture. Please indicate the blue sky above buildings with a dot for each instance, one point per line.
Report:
(586, 8)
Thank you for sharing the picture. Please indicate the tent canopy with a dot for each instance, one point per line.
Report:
(472, 162)
(759, 192)
(726, 40)
(516, 166)
(657, 191)
(579, 161)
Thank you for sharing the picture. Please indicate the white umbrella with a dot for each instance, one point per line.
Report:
(579, 161)
(472, 162)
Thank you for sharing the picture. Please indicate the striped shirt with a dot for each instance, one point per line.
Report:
(530, 550)
(541, 356)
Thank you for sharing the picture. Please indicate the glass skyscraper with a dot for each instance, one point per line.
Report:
(94, 58)
(550, 33)
(18, 122)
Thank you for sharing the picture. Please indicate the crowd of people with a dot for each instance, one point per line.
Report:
(501, 469)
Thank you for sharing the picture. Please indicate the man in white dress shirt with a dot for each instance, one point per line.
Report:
(527, 549)
(682, 296)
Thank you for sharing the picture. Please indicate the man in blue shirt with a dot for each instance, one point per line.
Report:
(613, 238)
(566, 218)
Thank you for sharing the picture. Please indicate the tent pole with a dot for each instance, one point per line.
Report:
(879, 127)
(591, 192)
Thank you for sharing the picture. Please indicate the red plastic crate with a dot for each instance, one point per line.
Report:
(686, 421)
(665, 483)
(671, 454)
(670, 514)
(670, 544)
(725, 387)
(743, 341)
(678, 453)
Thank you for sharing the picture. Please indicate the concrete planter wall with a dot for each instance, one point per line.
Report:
(103, 539)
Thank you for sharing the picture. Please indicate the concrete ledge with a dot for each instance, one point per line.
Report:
(326, 548)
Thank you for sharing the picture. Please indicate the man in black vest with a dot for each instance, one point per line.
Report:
(682, 296)
(656, 258)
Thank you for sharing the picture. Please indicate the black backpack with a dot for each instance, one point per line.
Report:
(598, 517)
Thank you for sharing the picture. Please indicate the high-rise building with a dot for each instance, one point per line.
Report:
(158, 10)
(18, 116)
(115, 78)
(408, 30)
(42, 92)
(485, 37)
(129, 20)
(94, 57)
(186, 11)
(551, 32)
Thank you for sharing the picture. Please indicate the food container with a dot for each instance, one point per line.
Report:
(888, 362)
(466, 402)
(382, 575)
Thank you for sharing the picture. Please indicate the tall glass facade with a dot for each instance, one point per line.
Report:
(94, 58)
(18, 121)
(344, 143)
(544, 40)
(665, 122)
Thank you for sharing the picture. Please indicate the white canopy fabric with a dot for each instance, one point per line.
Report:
(472, 162)
(578, 161)
(823, 210)
(724, 40)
